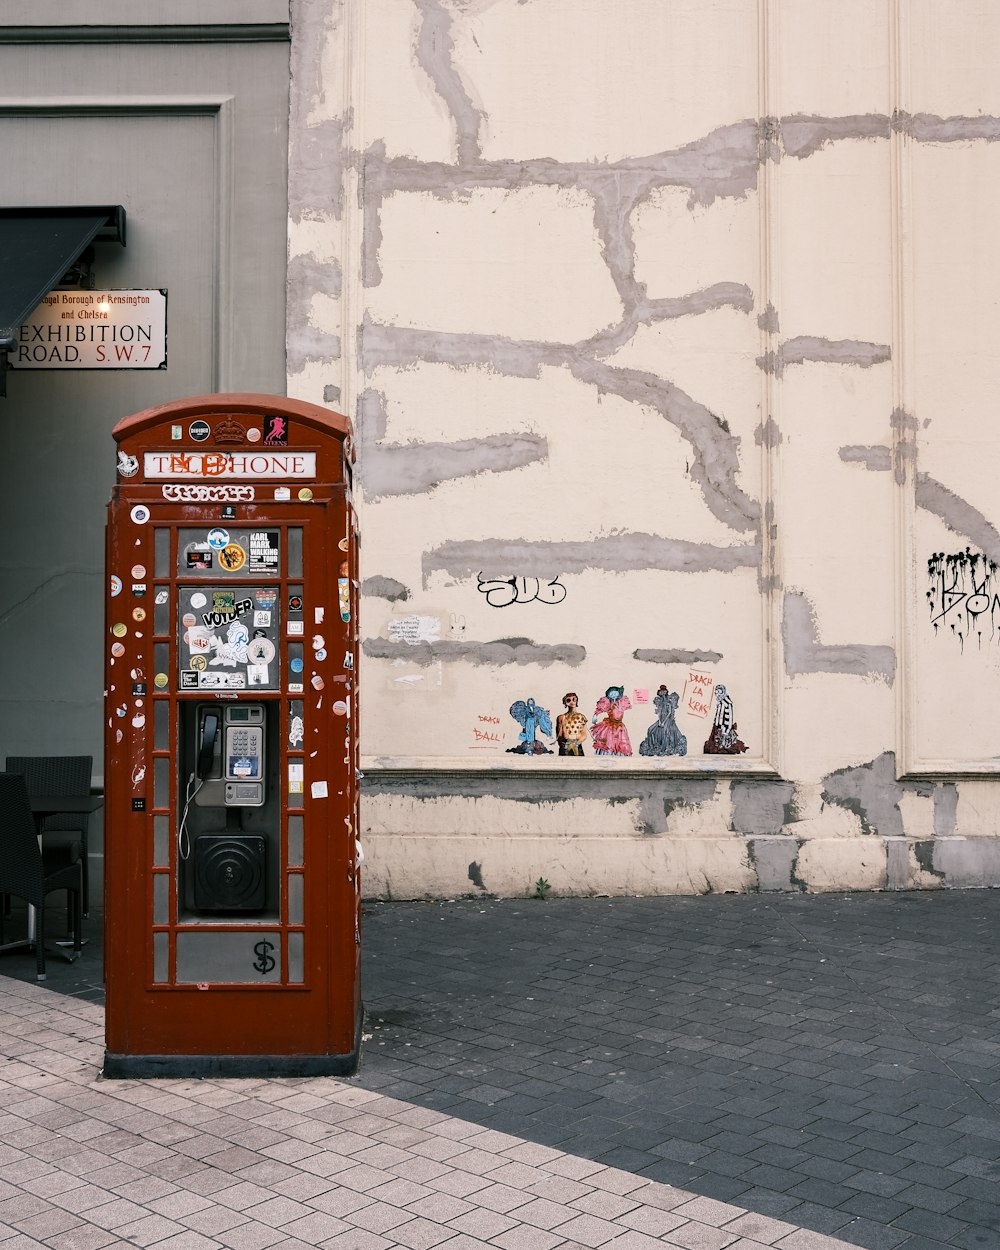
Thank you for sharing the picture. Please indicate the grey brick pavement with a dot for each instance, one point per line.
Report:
(253, 1164)
(825, 1062)
(832, 1061)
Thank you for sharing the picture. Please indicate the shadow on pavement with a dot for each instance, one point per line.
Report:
(830, 1060)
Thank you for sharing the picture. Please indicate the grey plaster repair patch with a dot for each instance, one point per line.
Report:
(655, 655)
(306, 343)
(433, 52)
(497, 557)
(715, 462)
(768, 320)
(494, 653)
(874, 458)
(773, 859)
(960, 517)
(385, 588)
(371, 416)
(929, 128)
(809, 349)
(897, 863)
(722, 163)
(768, 435)
(316, 155)
(716, 451)
(647, 311)
(945, 808)
(415, 468)
(967, 863)
(314, 277)
(654, 798)
(670, 794)
(761, 807)
(402, 347)
(872, 792)
(803, 135)
(805, 654)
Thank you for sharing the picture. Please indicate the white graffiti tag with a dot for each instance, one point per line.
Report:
(184, 493)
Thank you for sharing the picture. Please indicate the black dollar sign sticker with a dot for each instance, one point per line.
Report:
(264, 963)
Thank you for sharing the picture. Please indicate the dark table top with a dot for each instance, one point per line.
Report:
(49, 804)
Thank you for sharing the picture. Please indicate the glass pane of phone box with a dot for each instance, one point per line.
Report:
(213, 552)
(252, 958)
(228, 637)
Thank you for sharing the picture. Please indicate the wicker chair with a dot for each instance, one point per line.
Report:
(30, 873)
(60, 774)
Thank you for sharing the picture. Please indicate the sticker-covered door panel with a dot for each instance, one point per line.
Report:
(227, 637)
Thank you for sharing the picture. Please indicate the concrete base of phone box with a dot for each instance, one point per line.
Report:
(147, 1067)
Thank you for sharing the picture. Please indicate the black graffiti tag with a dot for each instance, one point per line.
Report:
(263, 963)
(963, 595)
(501, 592)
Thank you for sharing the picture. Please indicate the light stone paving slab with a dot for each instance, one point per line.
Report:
(257, 1164)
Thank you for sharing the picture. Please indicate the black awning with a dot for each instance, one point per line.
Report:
(38, 246)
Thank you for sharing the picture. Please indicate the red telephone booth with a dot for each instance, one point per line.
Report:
(232, 890)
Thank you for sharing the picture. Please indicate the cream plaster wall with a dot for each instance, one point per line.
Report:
(684, 312)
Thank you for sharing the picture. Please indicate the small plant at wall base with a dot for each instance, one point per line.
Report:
(542, 888)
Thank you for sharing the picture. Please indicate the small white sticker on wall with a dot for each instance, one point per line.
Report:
(414, 629)
(319, 790)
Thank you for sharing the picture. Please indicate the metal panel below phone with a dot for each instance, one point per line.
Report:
(244, 794)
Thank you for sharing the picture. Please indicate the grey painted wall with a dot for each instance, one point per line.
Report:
(191, 137)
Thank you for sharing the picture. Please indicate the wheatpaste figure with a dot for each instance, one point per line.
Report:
(723, 739)
(610, 735)
(571, 726)
(531, 718)
(663, 737)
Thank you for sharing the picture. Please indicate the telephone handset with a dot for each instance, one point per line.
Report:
(206, 748)
(203, 765)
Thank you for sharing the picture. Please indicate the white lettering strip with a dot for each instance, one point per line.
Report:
(199, 465)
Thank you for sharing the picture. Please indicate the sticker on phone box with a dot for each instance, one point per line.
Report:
(192, 679)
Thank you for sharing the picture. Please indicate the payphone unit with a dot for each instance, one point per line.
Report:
(232, 856)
